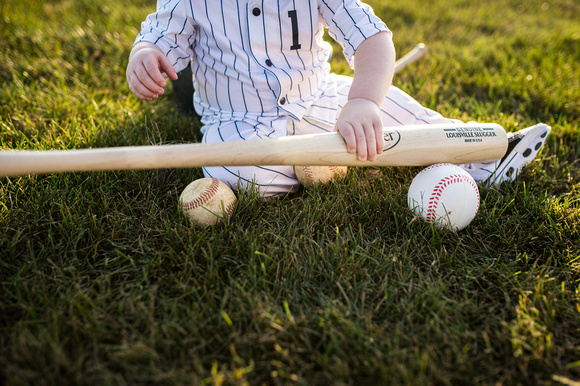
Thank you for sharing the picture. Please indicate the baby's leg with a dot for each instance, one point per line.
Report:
(398, 108)
(269, 180)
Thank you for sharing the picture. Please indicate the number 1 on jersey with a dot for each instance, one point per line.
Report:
(294, 18)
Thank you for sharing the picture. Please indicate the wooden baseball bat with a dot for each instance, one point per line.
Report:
(416, 145)
(412, 56)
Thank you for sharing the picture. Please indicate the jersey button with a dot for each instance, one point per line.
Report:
(268, 63)
(282, 100)
(256, 12)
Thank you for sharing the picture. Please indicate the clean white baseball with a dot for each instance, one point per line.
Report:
(310, 176)
(445, 195)
(207, 201)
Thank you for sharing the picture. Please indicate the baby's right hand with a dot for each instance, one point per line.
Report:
(145, 71)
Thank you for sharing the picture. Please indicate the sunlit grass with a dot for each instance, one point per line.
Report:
(103, 281)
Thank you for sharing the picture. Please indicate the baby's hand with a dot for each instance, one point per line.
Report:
(361, 126)
(145, 71)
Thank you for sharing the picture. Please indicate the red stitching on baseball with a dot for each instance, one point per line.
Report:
(337, 170)
(308, 174)
(440, 187)
(230, 208)
(204, 197)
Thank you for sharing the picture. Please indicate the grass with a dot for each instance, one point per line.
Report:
(102, 281)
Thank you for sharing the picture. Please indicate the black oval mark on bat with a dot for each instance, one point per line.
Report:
(391, 138)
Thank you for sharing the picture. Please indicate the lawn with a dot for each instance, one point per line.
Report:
(103, 280)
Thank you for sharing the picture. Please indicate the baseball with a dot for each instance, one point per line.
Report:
(207, 201)
(445, 195)
(310, 176)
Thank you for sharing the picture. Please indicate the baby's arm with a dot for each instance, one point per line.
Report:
(147, 63)
(359, 122)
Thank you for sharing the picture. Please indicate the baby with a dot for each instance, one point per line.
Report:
(260, 70)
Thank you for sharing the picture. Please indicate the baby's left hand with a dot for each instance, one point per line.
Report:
(361, 126)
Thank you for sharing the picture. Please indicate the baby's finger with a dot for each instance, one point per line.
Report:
(370, 142)
(139, 88)
(151, 76)
(380, 141)
(168, 68)
(147, 79)
(347, 133)
(141, 91)
(361, 143)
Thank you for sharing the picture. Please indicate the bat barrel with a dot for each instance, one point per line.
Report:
(424, 145)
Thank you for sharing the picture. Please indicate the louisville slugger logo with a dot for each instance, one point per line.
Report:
(470, 132)
(391, 139)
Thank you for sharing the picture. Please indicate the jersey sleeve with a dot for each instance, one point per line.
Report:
(171, 29)
(350, 22)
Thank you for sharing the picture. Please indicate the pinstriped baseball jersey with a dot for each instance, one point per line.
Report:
(257, 59)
